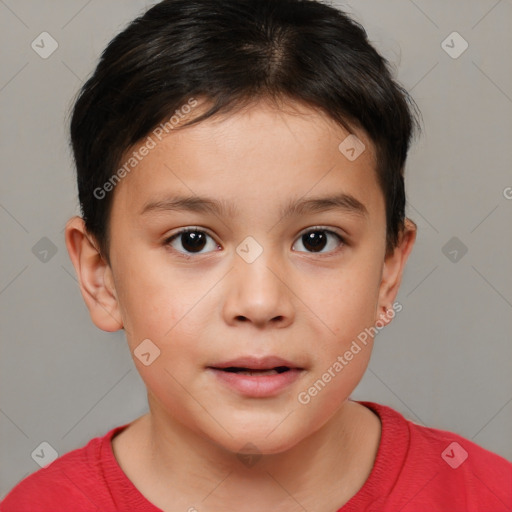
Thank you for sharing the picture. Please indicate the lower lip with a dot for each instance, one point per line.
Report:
(257, 386)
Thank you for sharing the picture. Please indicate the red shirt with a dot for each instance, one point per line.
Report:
(417, 469)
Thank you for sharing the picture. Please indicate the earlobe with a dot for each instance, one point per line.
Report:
(94, 277)
(393, 268)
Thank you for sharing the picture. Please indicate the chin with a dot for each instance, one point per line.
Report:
(258, 441)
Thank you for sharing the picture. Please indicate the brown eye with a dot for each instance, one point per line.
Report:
(315, 240)
(193, 241)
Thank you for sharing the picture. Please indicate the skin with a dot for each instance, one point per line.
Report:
(292, 302)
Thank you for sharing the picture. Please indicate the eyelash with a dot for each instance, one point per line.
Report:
(167, 242)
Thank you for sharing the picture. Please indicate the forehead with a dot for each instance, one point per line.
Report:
(260, 155)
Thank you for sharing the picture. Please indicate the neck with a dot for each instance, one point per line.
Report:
(330, 466)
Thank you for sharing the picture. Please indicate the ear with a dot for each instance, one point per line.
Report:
(394, 264)
(94, 277)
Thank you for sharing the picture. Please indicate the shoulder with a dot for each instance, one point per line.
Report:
(459, 467)
(454, 451)
(436, 467)
(56, 487)
(73, 481)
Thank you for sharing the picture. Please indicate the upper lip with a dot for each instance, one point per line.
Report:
(256, 363)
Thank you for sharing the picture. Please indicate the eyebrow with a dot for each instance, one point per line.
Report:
(341, 202)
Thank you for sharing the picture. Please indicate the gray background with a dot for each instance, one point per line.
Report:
(445, 359)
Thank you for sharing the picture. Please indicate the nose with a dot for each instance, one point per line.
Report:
(259, 292)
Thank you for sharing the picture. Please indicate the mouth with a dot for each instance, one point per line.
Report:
(256, 377)
(253, 372)
(268, 365)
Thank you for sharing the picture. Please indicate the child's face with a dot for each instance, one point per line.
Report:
(226, 300)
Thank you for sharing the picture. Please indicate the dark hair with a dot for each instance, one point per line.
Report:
(233, 52)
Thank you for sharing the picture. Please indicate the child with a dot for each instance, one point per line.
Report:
(270, 136)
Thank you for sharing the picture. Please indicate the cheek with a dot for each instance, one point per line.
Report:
(151, 299)
(343, 351)
(349, 304)
(169, 310)
(343, 342)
